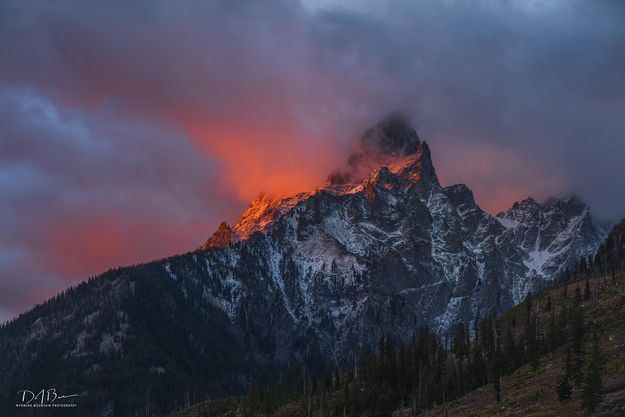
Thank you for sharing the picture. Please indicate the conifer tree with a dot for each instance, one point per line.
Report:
(478, 366)
(495, 373)
(563, 388)
(592, 392)
(512, 357)
(554, 334)
(576, 339)
(530, 335)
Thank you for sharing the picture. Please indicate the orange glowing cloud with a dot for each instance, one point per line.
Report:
(278, 160)
(93, 245)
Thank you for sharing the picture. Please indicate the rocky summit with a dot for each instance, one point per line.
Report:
(381, 247)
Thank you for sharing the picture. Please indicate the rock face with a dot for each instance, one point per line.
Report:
(555, 235)
(382, 247)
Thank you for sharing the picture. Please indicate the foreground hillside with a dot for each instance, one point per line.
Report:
(533, 393)
(527, 391)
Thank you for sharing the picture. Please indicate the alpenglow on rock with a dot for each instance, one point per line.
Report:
(381, 247)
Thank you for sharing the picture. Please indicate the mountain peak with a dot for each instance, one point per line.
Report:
(417, 166)
(392, 144)
(461, 194)
(223, 236)
(389, 142)
(570, 199)
(529, 201)
(392, 136)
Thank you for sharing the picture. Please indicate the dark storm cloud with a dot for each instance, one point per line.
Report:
(515, 97)
(129, 129)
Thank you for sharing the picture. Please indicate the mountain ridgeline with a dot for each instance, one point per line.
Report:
(382, 248)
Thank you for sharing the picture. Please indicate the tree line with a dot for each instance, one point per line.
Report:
(432, 370)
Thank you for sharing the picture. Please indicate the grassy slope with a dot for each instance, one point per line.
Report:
(525, 392)
(528, 393)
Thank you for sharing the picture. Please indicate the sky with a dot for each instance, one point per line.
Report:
(130, 130)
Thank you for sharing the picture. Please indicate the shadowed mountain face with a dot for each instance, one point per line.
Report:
(610, 256)
(382, 247)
